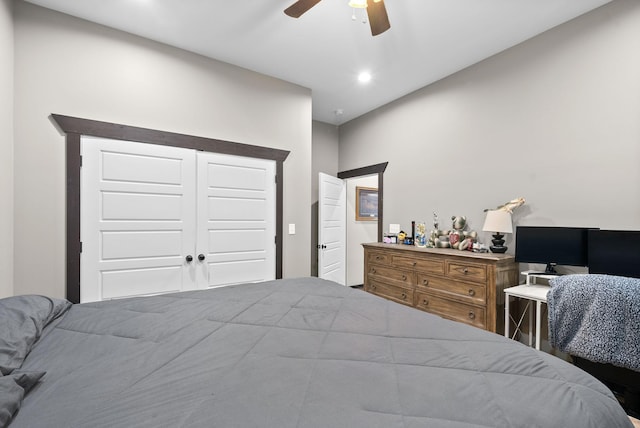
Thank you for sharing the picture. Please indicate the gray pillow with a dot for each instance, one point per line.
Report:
(22, 319)
(13, 388)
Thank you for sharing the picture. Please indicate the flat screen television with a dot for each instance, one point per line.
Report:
(614, 252)
(552, 246)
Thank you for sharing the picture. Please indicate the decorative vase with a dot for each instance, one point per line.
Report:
(420, 239)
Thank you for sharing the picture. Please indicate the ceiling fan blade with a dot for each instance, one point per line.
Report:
(301, 6)
(378, 18)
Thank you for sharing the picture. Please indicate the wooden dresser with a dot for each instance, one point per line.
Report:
(459, 285)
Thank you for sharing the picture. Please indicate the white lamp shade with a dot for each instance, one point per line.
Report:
(498, 221)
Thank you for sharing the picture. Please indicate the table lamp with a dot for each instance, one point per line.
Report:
(498, 222)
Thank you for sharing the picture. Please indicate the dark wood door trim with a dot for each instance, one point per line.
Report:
(370, 170)
(74, 128)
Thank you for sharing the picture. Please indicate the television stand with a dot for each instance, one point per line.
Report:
(533, 293)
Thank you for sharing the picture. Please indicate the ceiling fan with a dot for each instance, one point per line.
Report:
(377, 13)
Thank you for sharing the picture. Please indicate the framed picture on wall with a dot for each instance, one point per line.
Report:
(366, 204)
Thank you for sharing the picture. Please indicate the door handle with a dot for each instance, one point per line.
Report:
(201, 257)
(189, 258)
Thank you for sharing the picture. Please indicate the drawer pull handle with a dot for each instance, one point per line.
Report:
(472, 292)
(472, 315)
(373, 287)
(404, 296)
(414, 263)
(373, 270)
(465, 271)
(425, 302)
(378, 258)
(425, 282)
(404, 277)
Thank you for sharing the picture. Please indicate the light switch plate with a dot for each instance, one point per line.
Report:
(394, 228)
(292, 228)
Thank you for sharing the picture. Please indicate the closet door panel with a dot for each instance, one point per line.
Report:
(236, 272)
(140, 244)
(139, 206)
(141, 168)
(231, 242)
(236, 219)
(137, 219)
(236, 207)
(119, 283)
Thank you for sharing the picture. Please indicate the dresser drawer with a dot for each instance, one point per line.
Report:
(388, 273)
(446, 308)
(379, 258)
(467, 271)
(474, 293)
(391, 292)
(422, 265)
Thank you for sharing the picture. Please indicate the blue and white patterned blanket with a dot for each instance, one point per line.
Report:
(596, 317)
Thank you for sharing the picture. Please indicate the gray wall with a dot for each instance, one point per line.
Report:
(324, 158)
(555, 120)
(6, 148)
(69, 66)
(358, 232)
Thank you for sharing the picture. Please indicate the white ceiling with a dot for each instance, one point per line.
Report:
(324, 50)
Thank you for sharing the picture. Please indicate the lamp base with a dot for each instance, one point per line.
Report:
(498, 242)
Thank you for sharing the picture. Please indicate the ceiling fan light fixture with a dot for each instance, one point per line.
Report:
(375, 11)
(358, 4)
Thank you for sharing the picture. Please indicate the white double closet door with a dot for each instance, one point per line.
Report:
(158, 219)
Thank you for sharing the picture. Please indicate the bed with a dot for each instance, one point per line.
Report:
(287, 353)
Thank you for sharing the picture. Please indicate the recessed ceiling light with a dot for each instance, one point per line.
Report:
(364, 77)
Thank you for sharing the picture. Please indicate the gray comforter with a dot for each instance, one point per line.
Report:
(295, 353)
(596, 317)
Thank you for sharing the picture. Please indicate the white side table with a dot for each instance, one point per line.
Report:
(533, 293)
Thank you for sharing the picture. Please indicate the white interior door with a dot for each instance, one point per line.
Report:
(236, 219)
(332, 212)
(137, 219)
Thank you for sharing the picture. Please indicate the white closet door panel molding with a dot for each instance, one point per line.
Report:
(246, 208)
(236, 272)
(237, 241)
(237, 176)
(137, 218)
(143, 244)
(141, 206)
(237, 220)
(134, 282)
(130, 167)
